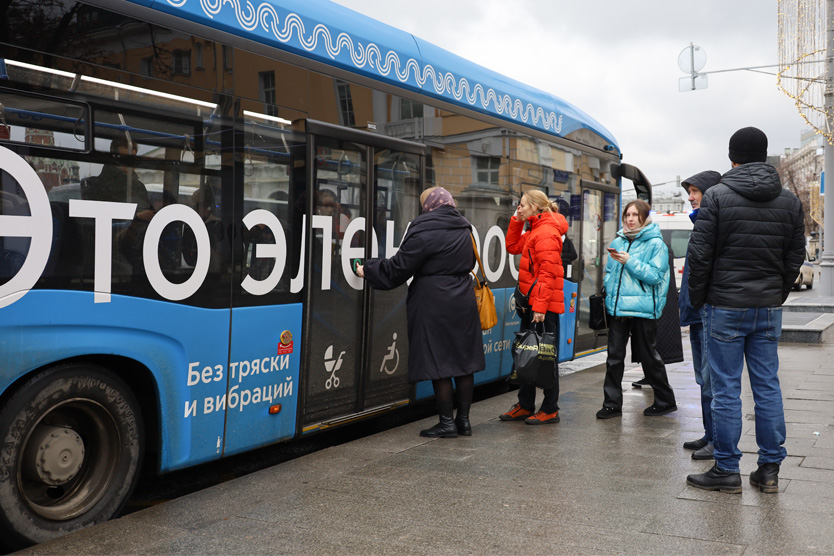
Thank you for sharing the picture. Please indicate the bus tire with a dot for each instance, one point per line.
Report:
(71, 444)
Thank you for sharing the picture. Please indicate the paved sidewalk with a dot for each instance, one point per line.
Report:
(583, 486)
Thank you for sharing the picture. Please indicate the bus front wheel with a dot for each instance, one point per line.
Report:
(71, 441)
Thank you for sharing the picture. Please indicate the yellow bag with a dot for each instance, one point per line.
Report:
(483, 296)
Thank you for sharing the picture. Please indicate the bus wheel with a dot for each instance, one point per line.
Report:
(71, 441)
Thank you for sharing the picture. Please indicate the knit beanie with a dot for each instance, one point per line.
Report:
(748, 144)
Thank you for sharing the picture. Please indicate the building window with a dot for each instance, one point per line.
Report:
(345, 103)
(486, 169)
(182, 62)
(146, 66)
(410, 109)
(198, 56)
(267, 85)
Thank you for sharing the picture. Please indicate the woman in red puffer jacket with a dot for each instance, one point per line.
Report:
(540, 278)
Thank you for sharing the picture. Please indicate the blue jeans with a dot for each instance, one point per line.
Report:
(733, 336)
(702, 377)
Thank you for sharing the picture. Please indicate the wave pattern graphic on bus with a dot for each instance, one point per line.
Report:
(267, 18)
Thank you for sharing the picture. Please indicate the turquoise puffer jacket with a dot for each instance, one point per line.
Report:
(638, 288)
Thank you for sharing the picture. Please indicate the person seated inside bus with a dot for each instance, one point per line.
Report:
(327, 204)
(203, 201)
(257, 267)
(170, 243)
(118, 183)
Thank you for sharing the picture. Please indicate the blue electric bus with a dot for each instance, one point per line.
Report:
(185, 186)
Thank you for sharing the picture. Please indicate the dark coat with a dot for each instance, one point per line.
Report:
(444, 329)
(689, 315)
(113, 184)
(748, 242)
(703, 181)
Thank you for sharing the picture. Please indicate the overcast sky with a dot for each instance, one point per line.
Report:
(618, 62)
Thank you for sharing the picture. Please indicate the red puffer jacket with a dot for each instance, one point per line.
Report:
(541, 259)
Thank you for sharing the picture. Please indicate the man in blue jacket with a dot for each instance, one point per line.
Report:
(744, 255)
(696, 186)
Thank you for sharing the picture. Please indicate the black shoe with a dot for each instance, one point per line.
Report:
(766, 478)
(656, 411)
(463, 425)
(609, 412)
(707, 452)
(446, 428)
(443, 429)
(695, 444)
(640, 383)
(714, 479)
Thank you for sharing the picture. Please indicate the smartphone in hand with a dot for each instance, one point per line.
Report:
(612, 250)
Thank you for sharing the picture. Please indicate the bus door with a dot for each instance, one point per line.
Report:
(599, 221)
(355, 338)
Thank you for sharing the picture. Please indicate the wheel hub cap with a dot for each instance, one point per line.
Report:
(54, 454)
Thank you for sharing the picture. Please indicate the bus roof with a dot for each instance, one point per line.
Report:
(329, 33)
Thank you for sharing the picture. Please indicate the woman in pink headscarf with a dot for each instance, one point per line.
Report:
(444, 329)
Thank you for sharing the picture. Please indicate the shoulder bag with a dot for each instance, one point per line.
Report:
(522, 300)
(483, 295)
(597, 320)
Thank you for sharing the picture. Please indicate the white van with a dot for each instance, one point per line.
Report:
(676, 228)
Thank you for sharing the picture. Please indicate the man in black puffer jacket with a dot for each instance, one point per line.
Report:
(744, 255)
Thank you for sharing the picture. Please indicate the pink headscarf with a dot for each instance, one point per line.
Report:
(438, 198)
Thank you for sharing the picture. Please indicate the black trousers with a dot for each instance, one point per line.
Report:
(527, 392)
(644, 339)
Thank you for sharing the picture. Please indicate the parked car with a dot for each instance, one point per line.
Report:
(676, 229)
(806, 274)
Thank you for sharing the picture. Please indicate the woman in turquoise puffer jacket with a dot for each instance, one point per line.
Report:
(636, 283)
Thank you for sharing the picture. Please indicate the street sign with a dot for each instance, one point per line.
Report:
(691, 60)
(693, 83)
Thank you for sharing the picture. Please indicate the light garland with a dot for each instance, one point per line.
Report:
(801, 76)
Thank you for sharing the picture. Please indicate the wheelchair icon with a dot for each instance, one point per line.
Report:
(393, 353)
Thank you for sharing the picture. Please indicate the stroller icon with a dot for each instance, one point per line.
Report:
(331, 366)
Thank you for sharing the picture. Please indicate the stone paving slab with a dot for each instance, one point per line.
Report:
(582, 486)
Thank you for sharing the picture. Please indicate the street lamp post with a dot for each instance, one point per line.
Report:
(827, 261)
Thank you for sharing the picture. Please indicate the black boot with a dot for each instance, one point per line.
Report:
(707, 452)
(695, 444)
(714, 479)
(446, 428)
(462, 419)
(766, 478)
